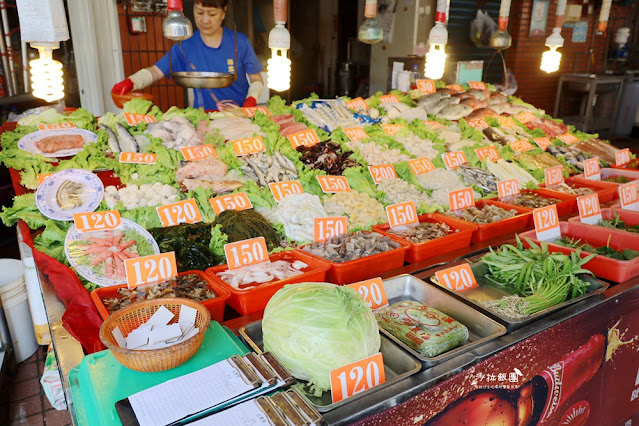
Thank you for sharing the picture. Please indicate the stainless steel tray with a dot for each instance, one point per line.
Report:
(397, 365)
(490, 291)
(481, 329)
(203, 80)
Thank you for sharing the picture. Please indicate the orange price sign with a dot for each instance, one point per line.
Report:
(332, 184)
(238, 201)
(135, 119)
(391, 129)
(402, 214)
(435, 125)
(547, 223)
(458, 278)
(480, 85)
(622, 157)
(506, 122)
(250, 111)
(628, 196)
(554, 175)
(591, 169)
(57, 126)
(521, 146)
(488, 152)
(525, 117)
(356, 133)
(198, 152)
(325, 228)
(421, 165)
(281, 190)
(455, 87)
(246, 253)
(357, 103)
(42, 177)
(589, 208)
(185, 211)
(372, 291)
(478, 124)
(543, 143)
(357, 377)
(97, 221)
(461, 199)
(426, 86)
(454, 159)
(389, 99)
(568, 138)
(150, 269)
(306, 137)
(137, 158)
(381, 172)
(507, 188)
(248, 146)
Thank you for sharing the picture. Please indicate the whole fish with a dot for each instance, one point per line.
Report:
(126, 141)
(112, 140)
(441, 104)
(455, 111)
(476, 176)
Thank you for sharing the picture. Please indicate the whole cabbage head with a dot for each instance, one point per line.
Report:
(313, 328)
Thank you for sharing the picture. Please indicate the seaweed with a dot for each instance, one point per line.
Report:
(190, 244)
(247, 224)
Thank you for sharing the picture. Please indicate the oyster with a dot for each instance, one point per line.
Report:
(69, 195)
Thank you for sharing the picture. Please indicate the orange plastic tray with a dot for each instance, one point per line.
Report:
(215, 305)
(502, 227)
(567, 204)
(420, 251)
(608, 173)
(607, 191)
(254, 299)
(629, 217)
(365, 267)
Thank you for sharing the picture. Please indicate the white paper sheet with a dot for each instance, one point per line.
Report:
(244, 414)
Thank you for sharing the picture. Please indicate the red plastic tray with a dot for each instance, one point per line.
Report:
(502, 227)
(601, 266)
(567, 204)
(215, 306)
(420, 251)
(365, 267)
(608, 173)
(254, 299)
(631, 218)
(607, 191)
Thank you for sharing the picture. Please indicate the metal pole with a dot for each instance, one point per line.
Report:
(8, 78)
(25, 67)
(7, 40)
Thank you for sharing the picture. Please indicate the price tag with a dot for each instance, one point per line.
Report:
(402, 214)
(185, 211)
(281, 190)
(357, 103)
(547, 223)
(435, 125)
(554, 175)
(357, 377)
(421, 165)
(97, 221)
(543, 143)
(628, 196)
(525, 117)
(458, 278)
(589, 208)
(198, 152)
(426, 86)
(488, 152)
(381, 172)
(455, 87)
(135, 119)
(325, 228)
(507, 188)
(372, 291)
(461, 199)
(246, 253)
(248, 146)
(250, 111)
(57, 126)
(137, 158)
(478, 124)
(452, 160)
(389, 99)
(480, 85)
(332, 184)
(591, 169)
(238, 201)
(150, 269)
(521, 146)
(42, 177)
(622, 157)
(391, 129)
(568, 138)
(506, 122)
(306, 137)
(356, 133)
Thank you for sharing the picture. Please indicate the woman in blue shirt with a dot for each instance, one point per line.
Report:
(210, 49)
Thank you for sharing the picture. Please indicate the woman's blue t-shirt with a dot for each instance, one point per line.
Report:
(211, 59)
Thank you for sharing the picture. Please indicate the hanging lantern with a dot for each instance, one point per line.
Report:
(500, 39)
(370, 32)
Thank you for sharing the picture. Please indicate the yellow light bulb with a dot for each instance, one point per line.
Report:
(46, 77)
(279, 71)
(550, 60)
(435, 62)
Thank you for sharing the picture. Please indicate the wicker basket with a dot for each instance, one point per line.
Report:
(150, 361)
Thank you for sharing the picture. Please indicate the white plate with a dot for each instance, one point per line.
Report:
(28, 141)
(91, 197)
(76, 255)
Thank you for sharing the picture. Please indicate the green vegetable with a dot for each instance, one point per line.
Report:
(313, 328)
(247, 224)
(617, 223)
(576, 243)
(190, 242)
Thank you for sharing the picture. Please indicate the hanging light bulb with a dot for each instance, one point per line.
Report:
(279, 40)
(602, 25)
(370, 32)
(46, 75)
(437, 39)
(551, 59)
